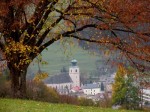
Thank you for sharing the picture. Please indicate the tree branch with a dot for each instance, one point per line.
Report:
(41, 48)
(44, 17)
(43, 36)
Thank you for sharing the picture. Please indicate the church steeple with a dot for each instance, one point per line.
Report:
(74, 73)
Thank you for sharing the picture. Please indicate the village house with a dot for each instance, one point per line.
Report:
(146, 96)
(107, 81)
(93, 89)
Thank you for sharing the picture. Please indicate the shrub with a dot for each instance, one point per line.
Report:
(4, 87)
(105, 102)
(86, 102)
(39, 91)
(68, 99)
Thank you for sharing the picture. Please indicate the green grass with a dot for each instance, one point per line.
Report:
(13, 105)
(58, 56)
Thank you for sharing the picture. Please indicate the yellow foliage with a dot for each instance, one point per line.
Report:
(40, 76)
(19, 53)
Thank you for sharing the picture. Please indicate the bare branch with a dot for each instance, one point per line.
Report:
(41, 48)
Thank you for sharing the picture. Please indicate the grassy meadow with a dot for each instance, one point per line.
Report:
(14, 105)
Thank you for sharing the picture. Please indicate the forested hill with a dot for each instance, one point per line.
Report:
(59, 56)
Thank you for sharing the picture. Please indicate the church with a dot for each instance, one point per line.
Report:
(64, 82)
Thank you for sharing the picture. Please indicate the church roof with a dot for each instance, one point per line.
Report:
(58, 79)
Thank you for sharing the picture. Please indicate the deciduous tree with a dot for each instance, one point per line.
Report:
(126, 89)
(120, 24)
(27, 27)
(119, 88)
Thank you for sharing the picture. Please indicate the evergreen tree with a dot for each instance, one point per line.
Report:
(132, 93)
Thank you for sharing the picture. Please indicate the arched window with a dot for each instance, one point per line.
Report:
(76, 70)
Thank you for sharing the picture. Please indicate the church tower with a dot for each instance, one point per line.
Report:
(74, 73)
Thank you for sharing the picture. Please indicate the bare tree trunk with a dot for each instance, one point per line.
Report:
(18, 83)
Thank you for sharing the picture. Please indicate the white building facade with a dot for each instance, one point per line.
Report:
(92, 89)
(146, 95)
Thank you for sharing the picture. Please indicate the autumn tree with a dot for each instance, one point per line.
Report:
(119, 89)
(27, 27)
(118, 25)
(126, 89)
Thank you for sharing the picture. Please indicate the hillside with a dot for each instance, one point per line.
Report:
(13, 105)
(59, 56)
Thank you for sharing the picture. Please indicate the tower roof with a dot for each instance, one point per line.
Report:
(74, 62)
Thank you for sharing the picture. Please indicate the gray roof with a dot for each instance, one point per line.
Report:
(91, 86)
(58, 79)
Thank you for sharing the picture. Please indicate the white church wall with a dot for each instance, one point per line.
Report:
(60, 86)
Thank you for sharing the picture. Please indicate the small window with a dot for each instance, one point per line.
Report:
(76, 70)
(71, 71)
(70, 86)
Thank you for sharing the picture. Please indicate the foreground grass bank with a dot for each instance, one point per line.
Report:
(11, 105)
